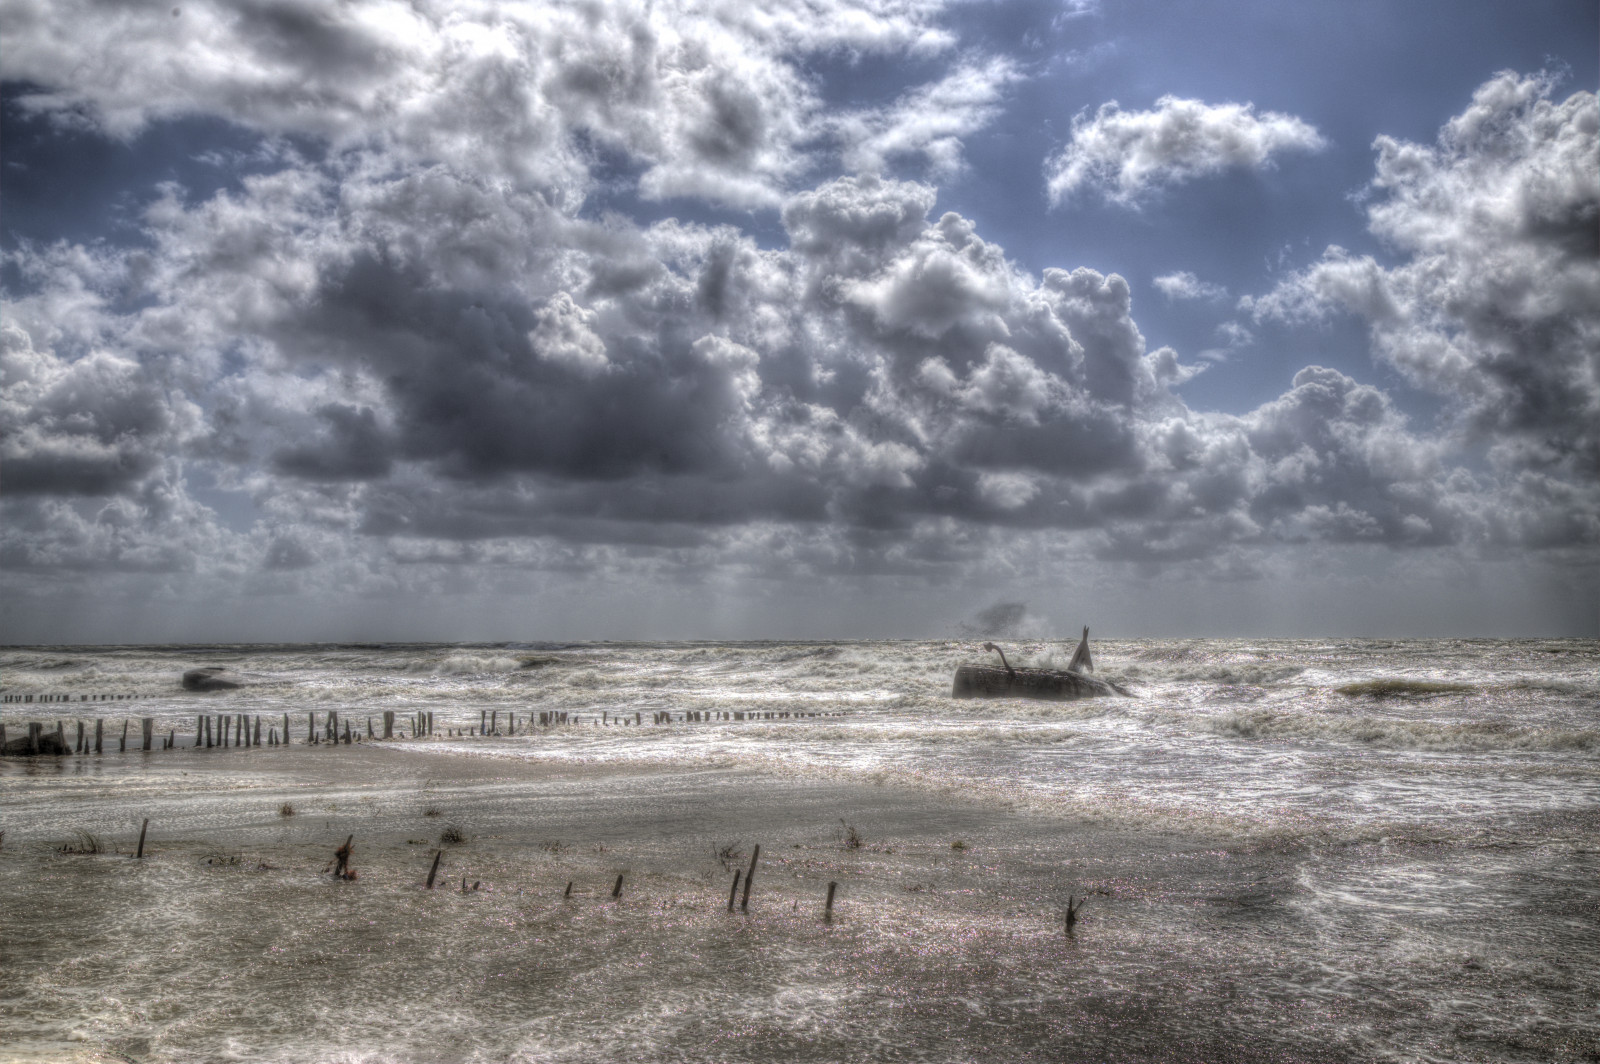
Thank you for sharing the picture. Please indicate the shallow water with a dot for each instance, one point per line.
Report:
(1292, 850)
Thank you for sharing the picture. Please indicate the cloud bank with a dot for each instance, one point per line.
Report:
(412, 358)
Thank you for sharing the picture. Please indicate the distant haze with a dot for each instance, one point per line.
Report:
(863, 318)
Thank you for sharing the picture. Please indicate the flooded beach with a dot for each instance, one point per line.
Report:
(1289, 851)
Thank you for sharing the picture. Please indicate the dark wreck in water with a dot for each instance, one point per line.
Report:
(987, 681)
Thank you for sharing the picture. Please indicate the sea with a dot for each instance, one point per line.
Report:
(1318, 850)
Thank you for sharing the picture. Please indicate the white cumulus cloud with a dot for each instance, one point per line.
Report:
(1127, 155)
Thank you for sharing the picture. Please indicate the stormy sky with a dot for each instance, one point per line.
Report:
(798, 318)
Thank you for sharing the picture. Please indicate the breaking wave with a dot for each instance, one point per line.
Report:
(1475, 736)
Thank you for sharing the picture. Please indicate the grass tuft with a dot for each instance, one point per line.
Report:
(852, 837)
(82, 843)
(452, 836)
(286, 809)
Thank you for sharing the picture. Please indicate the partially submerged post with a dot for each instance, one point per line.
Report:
(99, 729)
(616, 891)
(139, 856)
(1072, 909)
(749, 877)
(827, 911)
(147, 726)
(435, 869)
(733, 891)
(342, 858)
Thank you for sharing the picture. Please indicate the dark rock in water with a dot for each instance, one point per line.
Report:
(985, 681)
(50, 745)
(211, 678)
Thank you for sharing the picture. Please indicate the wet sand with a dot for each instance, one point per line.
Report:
(230, 941)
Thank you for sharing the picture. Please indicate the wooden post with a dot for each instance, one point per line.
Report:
(435, 869)
(388, 724)
(616, 891)
(34, 731)
(369, 728)
(124, 747)
(146, 725)
(483, 720)
(311, 726)
(79, 746)
(430, 722)
(568, 894)
(733, 891)
(333, 725)
(827, 911)
(1072, 912)
(749, 877)
(286, 729)
(140, 855)
(342, 857)
(207, 721)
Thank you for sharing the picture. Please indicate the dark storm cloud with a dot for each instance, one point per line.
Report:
(352, 446)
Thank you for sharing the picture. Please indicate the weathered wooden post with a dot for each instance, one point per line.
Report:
(311, 726)
(733, 891)
(286, 729)
(369, 728)
(483, 720)
(568, 893)
(388, 724)
(1072, 912)
(122, 749)
(827, 911)
(430, 722)
(207, 721)
(35, 733)
(333, 725)
(140, 855)
(78, 746)
(749, 877)
(146, 726)
(435, 869)
(616, 891)
(342, 857)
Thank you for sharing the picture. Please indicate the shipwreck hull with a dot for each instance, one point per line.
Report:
(983, 681)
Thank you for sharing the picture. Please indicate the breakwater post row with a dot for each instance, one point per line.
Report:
(223, 730)
(47, 699)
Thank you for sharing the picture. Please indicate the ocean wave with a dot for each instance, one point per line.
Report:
(1400, 687)
(1472, 736)
(468, 665)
